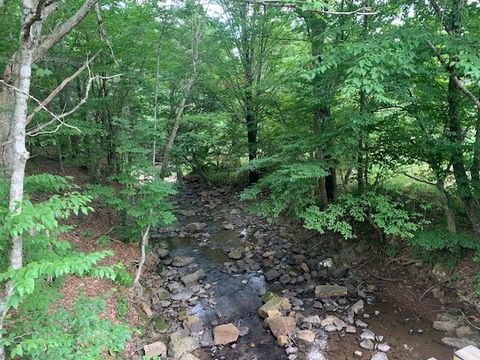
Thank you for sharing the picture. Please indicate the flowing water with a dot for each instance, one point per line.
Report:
(237, 298)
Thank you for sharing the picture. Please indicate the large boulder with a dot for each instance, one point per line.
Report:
(328, 291)
(275, 303)
(225, 334)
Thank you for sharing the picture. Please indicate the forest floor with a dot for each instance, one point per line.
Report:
(400, 298)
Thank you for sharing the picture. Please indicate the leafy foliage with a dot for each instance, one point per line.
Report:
(379, 210)
(62, 334)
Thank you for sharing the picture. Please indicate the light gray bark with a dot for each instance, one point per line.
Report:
(38, 45)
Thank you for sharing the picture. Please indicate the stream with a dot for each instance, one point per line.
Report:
(231, 290)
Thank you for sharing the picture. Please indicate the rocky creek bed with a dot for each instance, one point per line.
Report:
(229, 286)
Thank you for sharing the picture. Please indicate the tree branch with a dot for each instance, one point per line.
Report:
(59, 88)
(458, 82)
(366, 11)
(59, 32)
(103, 31)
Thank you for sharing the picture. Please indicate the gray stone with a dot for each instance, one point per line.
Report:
(157, 348)
(272, 275)
(193, 278)
(446, 326)
(196, 226)
(328, 291)
(181, 344)
(235, 254)
(180, 261)
(458, 343)
(367, 344)
(379, 356)
(162, 252)
(383, 347)
(367, 334)
(357, 307)
(164, 294)
(183, 295)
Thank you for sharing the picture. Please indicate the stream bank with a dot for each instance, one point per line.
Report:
(215, 265)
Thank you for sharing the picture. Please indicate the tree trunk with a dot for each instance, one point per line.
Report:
(19, 157)
(458, 162)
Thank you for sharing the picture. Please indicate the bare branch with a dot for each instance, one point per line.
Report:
(365, 11)
(56, 117)
(38, 129)
(59, 88)
(103, 31)
(59, 32)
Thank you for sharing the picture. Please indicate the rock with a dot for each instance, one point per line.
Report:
(179, 261)
(379, 356)
(157, 348)
(244, 330)
(367, 334)
(282, 340)
(383, 347)
(162, 253)
(313, 319)
(146, 309)
(272, 275)
(160, 325)
(196, 226)
(183, 295)
(350, 329)
(328, 291)
(446, 326)
(273, 313)
(361, 323)
(235, 254)
(191, 279)
(268, 296)
(228, 226)
(457, 343)
(189, 357)
(338, 273)
(306, 335)
(278, 303)
(181, 344)
(163, 294)
(357, 307)
(225, 334)
(305, 268)
(440, 272)
(358, 353)
(367, 344)
(282, 326)
(464, 331)
(330, 328)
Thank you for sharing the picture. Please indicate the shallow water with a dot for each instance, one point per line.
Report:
(237, 296)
